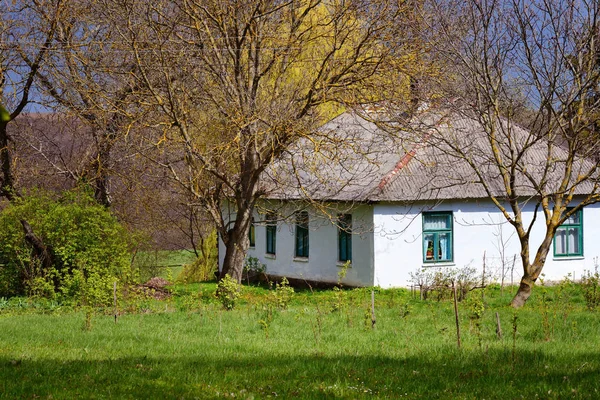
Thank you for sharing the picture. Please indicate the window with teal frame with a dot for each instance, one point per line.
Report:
(271, 222)
(345, 237)
(437, 237)
(301, 234)
(252, 234)
(568, 239)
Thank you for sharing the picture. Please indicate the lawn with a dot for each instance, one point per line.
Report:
(322, 346)
(165, 263)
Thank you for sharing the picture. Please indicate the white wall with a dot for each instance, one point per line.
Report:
(322, 264)
(477, 226)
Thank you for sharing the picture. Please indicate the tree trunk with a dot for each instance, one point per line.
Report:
(532, 271)
(7, 188)
(236, 245)
(233, 264)
(523, 292)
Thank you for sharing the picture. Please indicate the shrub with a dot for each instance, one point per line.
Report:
(204, 267)
(89, 248)
(282, 294)
(437, 282)
(590, 283)
(228, 291)
(254, 268)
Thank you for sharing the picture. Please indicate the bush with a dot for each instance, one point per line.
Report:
(282, 294)
(89, 248)
(204, 267)
(228, 291)
(590, 282)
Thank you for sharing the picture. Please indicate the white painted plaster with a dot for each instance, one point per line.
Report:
(322, 263)
(477, 224)
(386, 254)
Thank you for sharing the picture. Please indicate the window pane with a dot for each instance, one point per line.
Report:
(428, 241)
(435, 222)
(252, 234)
(271, 232)
(344, 237)
(302, 234)
(444, 247)
(271, 219)
(574, 219)
(573, 241)
(560, 241)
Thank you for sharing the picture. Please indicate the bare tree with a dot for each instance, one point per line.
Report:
(533, 62)
(88, 79)
(236, 83)
(25, 41)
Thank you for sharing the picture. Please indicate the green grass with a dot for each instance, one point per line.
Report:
(188, 347)
(164, 263)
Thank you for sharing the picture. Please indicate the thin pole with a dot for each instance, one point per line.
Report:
(456, 316)
(373, 309)
(115, 299)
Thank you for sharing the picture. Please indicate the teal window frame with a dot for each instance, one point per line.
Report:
(252, 233)
(345, 237)
(302, 235)
(435, 248)
(566, 226)
(271, 234)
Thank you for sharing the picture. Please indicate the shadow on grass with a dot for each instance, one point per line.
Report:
(451, 375)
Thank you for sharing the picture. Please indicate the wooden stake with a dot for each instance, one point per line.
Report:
(483, 279)
(498, 327)
(373, 309)
(512, 269)
(456, 316)
(115, 299)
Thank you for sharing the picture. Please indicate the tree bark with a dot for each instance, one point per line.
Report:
(236, 245)
(7, 182)
(523, 292)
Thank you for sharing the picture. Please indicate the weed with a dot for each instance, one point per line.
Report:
(282, 294)
(590, 283)
(228, 291)
(253, 268)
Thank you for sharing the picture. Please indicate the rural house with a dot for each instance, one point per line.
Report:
(388, 205)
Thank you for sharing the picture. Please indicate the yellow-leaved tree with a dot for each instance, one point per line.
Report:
(233, 84)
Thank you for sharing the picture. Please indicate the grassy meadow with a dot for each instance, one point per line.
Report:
(322, 346)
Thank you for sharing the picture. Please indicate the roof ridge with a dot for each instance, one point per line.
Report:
(403, 162)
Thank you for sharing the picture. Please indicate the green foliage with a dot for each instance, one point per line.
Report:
(90, 249)
(204, 267)
(476, 307)
(437, 282)
(590, 283)
(282, 294)
(228, 291)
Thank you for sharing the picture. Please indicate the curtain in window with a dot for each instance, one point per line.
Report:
(573, 240)
(444, 246)
(435, 222)
(560, 241)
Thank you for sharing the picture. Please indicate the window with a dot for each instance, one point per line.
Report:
(271, 222)
(301, 234)
(568, 240)
(437, 237)
(345, 237)
(252, 234)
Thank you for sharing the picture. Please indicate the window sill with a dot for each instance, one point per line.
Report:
(440, 264)
(343, 264)
(252, 247)
(568, 258)
(270, 256)
(300, 259)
